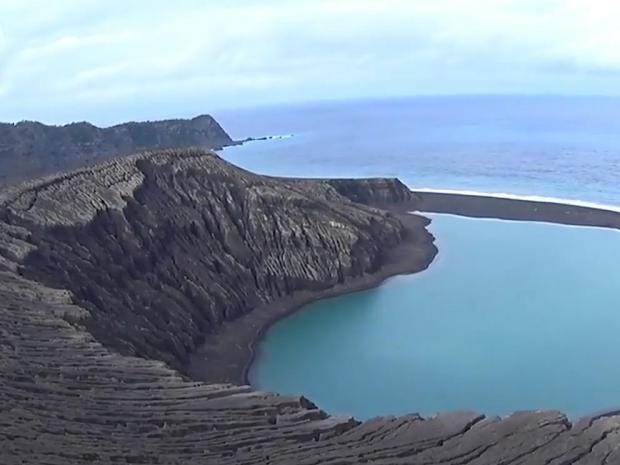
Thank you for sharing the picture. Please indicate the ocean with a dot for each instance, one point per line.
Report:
(552, 147)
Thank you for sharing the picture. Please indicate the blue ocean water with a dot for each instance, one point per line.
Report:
(565, 147)
(511, 316)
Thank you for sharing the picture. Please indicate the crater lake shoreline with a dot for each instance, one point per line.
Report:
(515, 209)
(235, 344)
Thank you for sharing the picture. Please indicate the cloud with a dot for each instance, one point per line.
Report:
(82, 58)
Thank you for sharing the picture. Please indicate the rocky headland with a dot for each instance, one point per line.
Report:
(31, 148)
(133, 290)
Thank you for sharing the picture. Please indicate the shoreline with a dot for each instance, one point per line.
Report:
(523, 197)
(514, 209)
(229, 353)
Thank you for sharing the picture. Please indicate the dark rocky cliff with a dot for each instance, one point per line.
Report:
(108, 273)
(384, 192)
(196, 242)
(31, 148)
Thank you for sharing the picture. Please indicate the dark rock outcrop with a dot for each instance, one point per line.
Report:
(374, 191)
(31, 148)
(109, 272)
(165, 247)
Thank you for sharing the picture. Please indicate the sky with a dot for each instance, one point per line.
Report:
(117, 60)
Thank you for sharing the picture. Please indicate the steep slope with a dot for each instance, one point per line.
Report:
(30, 148)
(107, 273)
(160, 249)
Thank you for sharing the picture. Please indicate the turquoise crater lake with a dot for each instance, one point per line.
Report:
(510, 316)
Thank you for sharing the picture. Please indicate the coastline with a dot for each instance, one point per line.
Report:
(228, 354)
(526, 197)
(515, 209)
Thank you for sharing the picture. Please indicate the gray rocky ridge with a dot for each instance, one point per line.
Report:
(113, 276)
(31, 148)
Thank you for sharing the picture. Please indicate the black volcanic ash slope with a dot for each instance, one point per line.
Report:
(31, 148)
(197, 242)
(142, 254)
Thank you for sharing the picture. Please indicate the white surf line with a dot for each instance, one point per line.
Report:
(527, 198)
(271, 137)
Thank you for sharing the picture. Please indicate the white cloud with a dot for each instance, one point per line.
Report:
(81, 56)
